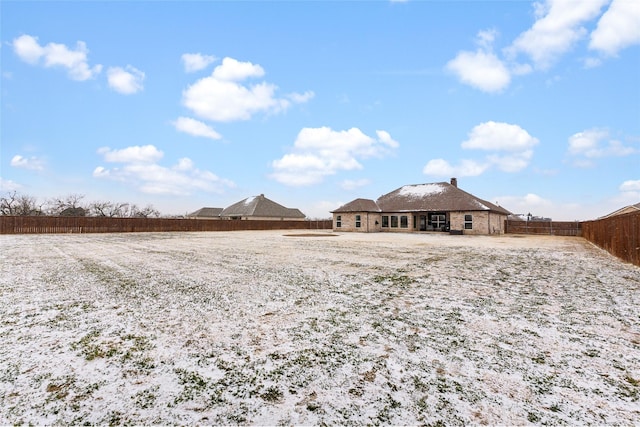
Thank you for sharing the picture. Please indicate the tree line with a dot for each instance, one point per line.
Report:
(16, 204)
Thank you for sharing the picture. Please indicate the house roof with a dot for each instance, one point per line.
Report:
(439, 196)
(206, 213)
(73, 212)
(260, 206)
(434, 197)
(626, 209)
(359, 205)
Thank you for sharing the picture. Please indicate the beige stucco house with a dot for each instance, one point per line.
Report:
(440, 206)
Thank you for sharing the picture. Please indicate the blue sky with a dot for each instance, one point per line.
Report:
(533, 105)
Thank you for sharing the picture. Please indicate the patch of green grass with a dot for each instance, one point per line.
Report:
(400, 280)
(272, 394)
(90, 349)
(146, 398)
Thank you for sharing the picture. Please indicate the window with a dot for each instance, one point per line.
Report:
(438, 221)
(358, 221)
(404, 221)
(468, 222)
(415, 222)
(339, 221)
(394, 221)
(385, 221)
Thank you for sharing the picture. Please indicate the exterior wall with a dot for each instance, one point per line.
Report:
(482, 222)
(496, 223)
(369, 222)
(399, 228)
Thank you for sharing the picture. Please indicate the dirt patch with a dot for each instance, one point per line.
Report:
(311, 235)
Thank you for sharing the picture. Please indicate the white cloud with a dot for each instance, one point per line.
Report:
(441, 167)
(499, 136)
(195, 128)
(196, 61)
(529, 203)
(631, 185)
(184, 164)
(133, 154)
(352, 184)
(385, 138)
(558, 27)
(301, 98)
(513, 162)
(234, 70)
(618, 28)
(141, 170)
(596, 143)
(31, 163)
(125, 80)
(481, 69)
(222, 98)
(56, 55)
(9, 185)
(496, 137)
(319, 152)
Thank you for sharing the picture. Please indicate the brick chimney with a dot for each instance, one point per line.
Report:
(454, 182)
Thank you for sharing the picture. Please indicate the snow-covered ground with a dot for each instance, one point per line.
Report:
(270, 328)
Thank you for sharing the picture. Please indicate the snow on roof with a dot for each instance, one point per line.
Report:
(421, 190)
(482, 205)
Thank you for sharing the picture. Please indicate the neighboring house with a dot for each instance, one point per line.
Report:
(438, 206)
(259, 207)
(73, 212)
(206, 213)
(625, 210)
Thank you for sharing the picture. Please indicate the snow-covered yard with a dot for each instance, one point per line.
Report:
(269, 328)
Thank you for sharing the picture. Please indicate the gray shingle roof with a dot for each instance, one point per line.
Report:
(206, 213)
(435, 197)
(439, 196)
(260, 206)
(358, 205)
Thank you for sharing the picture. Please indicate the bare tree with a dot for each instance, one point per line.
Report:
(147, 212)
(70, 205)
(19, 204)
(109, 209)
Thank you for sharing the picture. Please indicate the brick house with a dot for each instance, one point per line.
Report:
(440, 206)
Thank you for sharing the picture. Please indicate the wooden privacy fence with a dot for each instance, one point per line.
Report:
(57, 224)
(551, 228)
(618, 235)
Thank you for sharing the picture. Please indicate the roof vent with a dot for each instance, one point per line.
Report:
(454, 182)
